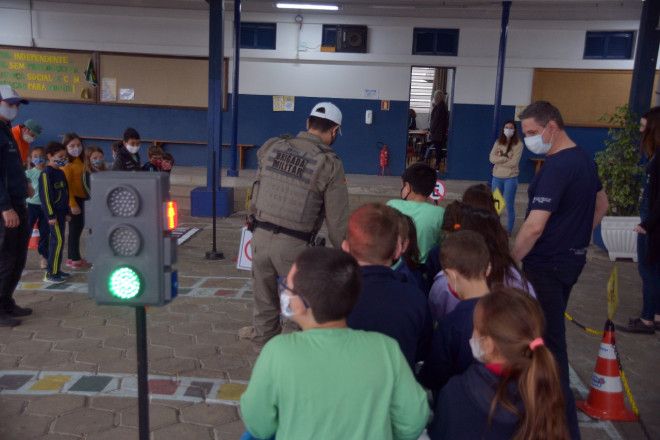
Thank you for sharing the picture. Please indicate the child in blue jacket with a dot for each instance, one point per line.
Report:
(512, 391)
(54, 195)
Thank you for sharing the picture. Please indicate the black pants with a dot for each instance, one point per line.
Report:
(13, 254)
(56, 245)
(36, 215)
(553, 286)
(76, 226)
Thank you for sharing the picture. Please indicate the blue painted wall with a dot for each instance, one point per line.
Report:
(357, 146)
(470, 142)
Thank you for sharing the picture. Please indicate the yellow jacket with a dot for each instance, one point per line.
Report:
(74, 172)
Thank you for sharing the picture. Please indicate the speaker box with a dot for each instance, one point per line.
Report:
(352, 39)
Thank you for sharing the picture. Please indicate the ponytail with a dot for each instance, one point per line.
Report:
(514, 321)
(539, 387)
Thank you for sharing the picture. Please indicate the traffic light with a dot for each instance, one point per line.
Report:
(131, 247)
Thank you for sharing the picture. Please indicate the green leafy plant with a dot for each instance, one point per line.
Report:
(619, 163)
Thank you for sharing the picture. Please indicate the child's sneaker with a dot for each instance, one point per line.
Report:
(64, 275)
(77, 264)
(43, 263)
(53, 279)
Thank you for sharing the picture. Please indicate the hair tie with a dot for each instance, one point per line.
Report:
(535, 343)
(457, 226)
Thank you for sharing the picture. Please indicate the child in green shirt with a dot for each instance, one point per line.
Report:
(328, 381)
(418, 181)
(35, 214)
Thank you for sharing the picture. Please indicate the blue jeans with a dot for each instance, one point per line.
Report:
(650, 275)
(553, 286)
(508, 189)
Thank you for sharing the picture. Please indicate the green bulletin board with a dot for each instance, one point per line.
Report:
(46, 74)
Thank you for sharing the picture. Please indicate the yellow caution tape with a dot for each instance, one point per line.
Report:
(591, 331)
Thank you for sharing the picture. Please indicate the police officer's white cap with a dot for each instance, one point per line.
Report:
(9, 95)
(327, 110)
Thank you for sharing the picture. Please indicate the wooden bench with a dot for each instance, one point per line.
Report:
(161, 143)
(538, 163)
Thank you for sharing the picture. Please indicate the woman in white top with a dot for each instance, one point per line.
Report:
(505, 156)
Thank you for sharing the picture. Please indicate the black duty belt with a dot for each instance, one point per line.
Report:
(276, 229)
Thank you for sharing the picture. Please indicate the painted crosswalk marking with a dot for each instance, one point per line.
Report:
(197, 289)
(190, 389)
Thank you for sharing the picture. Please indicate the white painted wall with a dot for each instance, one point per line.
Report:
(298, 67)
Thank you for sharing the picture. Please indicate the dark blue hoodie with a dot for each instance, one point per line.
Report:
(462, 409)
(450, 352)
(395, 308)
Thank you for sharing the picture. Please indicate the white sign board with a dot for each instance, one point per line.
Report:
(244, 260)
(439, 191)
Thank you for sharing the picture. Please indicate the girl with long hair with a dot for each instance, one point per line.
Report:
(503, 269)
(513, 390)
(648, 231)
(74, 171)
(505, 157)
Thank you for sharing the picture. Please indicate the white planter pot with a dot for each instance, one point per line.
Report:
(619, 236)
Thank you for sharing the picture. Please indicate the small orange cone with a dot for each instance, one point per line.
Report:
(605, 399)
(34, 239)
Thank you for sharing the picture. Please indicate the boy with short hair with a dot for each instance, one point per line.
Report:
(54, 195)
(418, 184)
(155, 155)
(387, 304)
(329, 381)
(167, 162)
(128, 156)
(466, 263)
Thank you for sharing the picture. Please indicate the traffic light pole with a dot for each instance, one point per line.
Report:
(213, 254)
(142, 372)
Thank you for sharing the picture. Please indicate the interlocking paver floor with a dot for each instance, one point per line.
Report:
(68, 372)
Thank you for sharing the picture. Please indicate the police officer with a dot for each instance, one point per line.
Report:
(300, 182)
(14, 229)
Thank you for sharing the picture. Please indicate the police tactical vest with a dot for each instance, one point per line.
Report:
(286, 192)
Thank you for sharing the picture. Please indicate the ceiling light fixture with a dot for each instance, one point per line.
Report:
(311, 6)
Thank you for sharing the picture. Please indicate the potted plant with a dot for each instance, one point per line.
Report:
(621, 174)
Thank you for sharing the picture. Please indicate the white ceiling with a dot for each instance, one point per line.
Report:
(520, 9)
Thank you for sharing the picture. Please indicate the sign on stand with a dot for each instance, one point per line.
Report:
(439, 191)
(244, 260)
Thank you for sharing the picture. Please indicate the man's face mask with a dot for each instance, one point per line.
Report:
(536, 145)
(7, 111)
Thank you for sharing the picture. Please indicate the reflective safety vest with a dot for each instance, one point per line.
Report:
(286, 191)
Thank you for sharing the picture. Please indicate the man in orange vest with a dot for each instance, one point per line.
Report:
(24, 134)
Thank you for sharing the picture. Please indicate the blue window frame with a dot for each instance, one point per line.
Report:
(617, 45)
(258, 35)
(427, 41)
(329, 38)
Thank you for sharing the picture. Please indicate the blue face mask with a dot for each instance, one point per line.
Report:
(97, 162)
(61, 162)
(38, 161)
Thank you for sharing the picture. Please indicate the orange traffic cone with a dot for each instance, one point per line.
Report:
(34, 239)
(605, 399)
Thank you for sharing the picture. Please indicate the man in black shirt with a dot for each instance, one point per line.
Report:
(439, 127)
(566, 201)
(14, 229)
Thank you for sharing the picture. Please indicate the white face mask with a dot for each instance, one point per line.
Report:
(508, 132)
(8, 112)
(27, 138)
(536, 145)
(477, 351)
(285, 305)
(133, 149)
(74, 151)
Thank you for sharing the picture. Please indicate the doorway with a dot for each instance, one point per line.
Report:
(427, 139)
